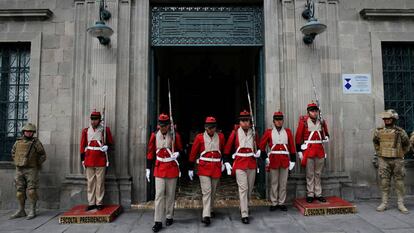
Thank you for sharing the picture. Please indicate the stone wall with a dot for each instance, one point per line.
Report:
(69, 67)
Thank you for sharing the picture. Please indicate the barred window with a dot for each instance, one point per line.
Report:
(398, 71)
(14, 93)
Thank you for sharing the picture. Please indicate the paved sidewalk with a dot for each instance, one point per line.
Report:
(228, 221)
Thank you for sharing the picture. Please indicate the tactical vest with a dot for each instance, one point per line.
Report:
(390, 144)
(25, 154)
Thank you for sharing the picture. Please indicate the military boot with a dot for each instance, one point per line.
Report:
(401, 207)
(400, 190)
(32, 212)
(384, 202)
(21, 212)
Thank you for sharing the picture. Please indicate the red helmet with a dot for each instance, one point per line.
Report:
(312, 106)
(245, 115)
(278, 115)
(163, 119)
(96, 115)
(210, 122)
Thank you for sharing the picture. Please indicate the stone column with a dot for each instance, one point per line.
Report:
(95, 75)
(138, 87)
(271, 54)
(318, 61)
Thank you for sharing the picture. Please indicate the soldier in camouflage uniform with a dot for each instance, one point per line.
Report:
(28, 155)
(391, 143)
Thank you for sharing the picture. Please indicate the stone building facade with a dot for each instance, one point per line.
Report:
(70, 72)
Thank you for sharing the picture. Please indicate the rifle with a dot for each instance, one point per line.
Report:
(251, 113)
(171, 118)
(320, 118)
(173, 132)
(103, 122)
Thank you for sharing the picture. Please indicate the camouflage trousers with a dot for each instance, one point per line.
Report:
(27, 178)
(389, 168)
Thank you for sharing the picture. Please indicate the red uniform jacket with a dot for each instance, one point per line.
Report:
(278, 160)
(303, 133)
(206, 168)
(94, 158)
(164, 169)
(242, 163)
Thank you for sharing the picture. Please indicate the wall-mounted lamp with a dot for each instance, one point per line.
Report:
(313, 27)
(100, 30)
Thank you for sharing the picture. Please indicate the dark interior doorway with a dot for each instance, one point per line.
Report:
(204, 81)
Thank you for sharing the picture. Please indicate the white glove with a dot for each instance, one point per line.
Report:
(326, 139)
(291, 165)
(257, 155)
(107, 164)
(300, 155)
(191, 174)
(326, 155)
(104, 148)
(83, 165)
(228, 167)
(304, 146)
(147, 174)
(175, 155)
(222, 167)
(267, 161)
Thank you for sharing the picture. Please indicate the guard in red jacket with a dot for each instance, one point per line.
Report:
(310, 136)
(242, 143)
(206, 151)
(164, 147)
(94, 147)
(281, 157)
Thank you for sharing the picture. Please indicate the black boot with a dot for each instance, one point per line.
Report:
(90, 207)
(245, 220)
(274, 207)
(283, 208)
(321, 199)
(157, 227)
(212, 214)
(206, 221)
(99, 207)
(309, 199)
(169, 222)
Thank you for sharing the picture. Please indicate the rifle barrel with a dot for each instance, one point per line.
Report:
(171, 118)
(252, 117)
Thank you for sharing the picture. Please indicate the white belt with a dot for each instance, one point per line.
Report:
(281, 152)
(313, 142)
(278, 152)
(92, 148)
(210, 159)
(243, 155)
(165, 160)
(204, 152)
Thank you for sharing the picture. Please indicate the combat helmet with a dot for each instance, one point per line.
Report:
(29, 127)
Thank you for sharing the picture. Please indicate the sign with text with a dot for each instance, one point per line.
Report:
(356, 83)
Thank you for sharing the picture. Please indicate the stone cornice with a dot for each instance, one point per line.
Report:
(26, 13)
(386, 13)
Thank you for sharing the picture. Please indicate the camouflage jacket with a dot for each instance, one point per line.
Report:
(28, 152)
(392, 142)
